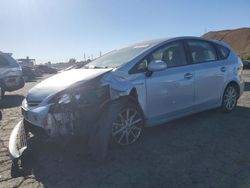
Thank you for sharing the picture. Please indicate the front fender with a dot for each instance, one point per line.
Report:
(18, 141)
(119, 85)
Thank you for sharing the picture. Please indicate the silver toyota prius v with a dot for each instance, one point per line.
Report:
(113, 98)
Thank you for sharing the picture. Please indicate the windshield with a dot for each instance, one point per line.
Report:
(117, 58)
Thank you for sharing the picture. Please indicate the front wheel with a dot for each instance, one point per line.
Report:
(230, 98)
(121, 124)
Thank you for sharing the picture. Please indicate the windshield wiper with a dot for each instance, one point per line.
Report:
(96, 67)
(101, 67)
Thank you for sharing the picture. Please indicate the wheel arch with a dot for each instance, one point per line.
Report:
(234, 82)
(130, 95)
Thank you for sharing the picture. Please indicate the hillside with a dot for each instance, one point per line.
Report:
(239, 39)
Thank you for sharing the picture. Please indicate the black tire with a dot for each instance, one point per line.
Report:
(21, 82)
(103, 136)
(21, 165)
(226, 105)
(2, 93)
(15, 168)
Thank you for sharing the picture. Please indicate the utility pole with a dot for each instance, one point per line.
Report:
(84, 56)
(100, 53)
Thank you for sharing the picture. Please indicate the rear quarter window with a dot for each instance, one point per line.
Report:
(223, 51)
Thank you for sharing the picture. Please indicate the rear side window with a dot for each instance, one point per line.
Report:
(223, 51)
(3, 62)
(201, 51)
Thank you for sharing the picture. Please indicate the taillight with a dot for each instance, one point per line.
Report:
(239, 69)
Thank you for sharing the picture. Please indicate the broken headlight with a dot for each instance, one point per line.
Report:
(64, 99)
(82, 96)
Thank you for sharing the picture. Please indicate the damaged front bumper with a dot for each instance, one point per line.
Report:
(24, 130)
(48, 125)
(42, 123)
(49, 120)
(18, 141)
(54, 122)
(36, 115)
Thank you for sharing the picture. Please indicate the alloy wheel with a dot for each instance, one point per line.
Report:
(127, 127)
(230, 98)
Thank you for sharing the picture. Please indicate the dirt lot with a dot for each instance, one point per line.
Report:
(209, 149)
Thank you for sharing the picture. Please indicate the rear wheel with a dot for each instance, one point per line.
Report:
(230, 98)
(120, 125)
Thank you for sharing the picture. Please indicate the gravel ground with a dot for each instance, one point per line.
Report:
(209, 149)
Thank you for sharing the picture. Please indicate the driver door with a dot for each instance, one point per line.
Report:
(170, 93)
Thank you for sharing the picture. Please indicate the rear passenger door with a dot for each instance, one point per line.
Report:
(209, 73)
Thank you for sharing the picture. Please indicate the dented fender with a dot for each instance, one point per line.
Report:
(118, 85)
(121, 84)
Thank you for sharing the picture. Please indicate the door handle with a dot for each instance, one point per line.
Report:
(188, 75)
(223, 69)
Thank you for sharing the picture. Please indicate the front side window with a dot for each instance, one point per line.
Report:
(173, 54)
(201, 51)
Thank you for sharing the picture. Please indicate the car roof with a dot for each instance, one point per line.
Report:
(156, 42)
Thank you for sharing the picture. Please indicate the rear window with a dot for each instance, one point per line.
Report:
(3, 62)
(223, 51)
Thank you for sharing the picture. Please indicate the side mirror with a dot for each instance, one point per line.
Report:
(157, 65)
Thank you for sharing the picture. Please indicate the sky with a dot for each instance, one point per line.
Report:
(57, 30)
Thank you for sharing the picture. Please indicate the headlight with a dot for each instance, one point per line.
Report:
(64, 99)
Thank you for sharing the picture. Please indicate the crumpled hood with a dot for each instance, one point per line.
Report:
(62, 81)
